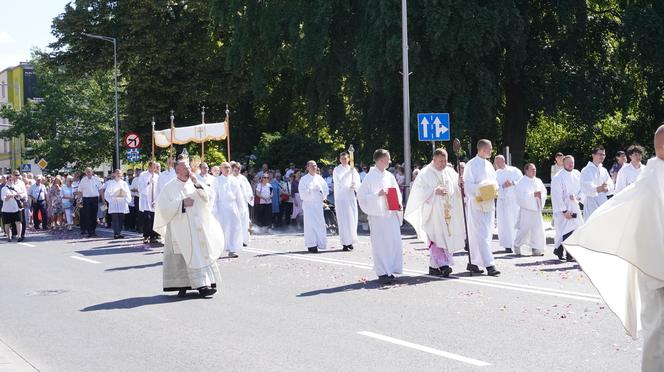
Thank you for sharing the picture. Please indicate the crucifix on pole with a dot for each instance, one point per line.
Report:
(170, 152)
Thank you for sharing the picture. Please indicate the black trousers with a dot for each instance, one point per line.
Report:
(286, 211)
(263, 214)
(138, 216)
(89, 215)
(130, 219)
(117, 220)
(148, 223)
(36, 207)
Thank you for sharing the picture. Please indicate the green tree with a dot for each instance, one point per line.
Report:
(73, 126)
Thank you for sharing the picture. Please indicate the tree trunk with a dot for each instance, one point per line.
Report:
(516, 119)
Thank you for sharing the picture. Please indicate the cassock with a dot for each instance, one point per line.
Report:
(193, 239)
(593, 176)
(627, 175)
(313, 190)
(346, 183)
(530, 225)
(479, 173)
(620, 249)
(507, 208)
(384, 225)
(229, 200)
(118, 196)
(248, 194)
(565, 196)
(437, 219)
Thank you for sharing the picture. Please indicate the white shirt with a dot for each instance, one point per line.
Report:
(90, 186)
(313, 188)
(593, 176)
(38, 192)
(9, 206)
(509, 173)
(264, 193)
(627, 175)
(147, 188)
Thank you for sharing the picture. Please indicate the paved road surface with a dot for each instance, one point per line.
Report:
(70, 304)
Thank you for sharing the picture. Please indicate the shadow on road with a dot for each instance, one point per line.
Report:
(401, 281)
(568, 268)
(134, 302)
(123, 268)
(105, 251)
(540, 262)
(299, 252)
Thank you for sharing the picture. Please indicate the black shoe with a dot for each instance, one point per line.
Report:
(120, 236)
(232, 255)
(21, 239)
(569, 258)
(244, 244)
(445, 271)
(116, 236)
(491, 271)
(345, 248)
(435, 271)
(350, 247)
(313, 249)
(508, 250)
(559, 252)
(206, 291)
(182, 293)
(474, 269)
(9, 240)
(384, 279)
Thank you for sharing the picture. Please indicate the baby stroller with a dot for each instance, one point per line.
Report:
(330, 218)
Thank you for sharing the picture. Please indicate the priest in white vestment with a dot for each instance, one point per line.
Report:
(248, 193)
(229, 200)
(531, 196)
(481, 187)
(118, 196)
(507, 208)
(313, 190)
(435, 210)
(629, 173)
(565, 197)
(621, 249)
(346, 182)
(384, 224)
(596, 183)
(193, 239)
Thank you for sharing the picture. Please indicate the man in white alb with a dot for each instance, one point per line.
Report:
(384, 224)
(531, 196)
(229, 200)
(346, 183)
(629, 173)
(166, 175)
(596, 183)
(313, 190)
(565, 197)
(481, 187)
(248, 193)
(507, 208)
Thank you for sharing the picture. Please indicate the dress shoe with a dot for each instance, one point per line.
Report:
(244, 244)
(559, 252)
(313, 249)
(491, 270)
(508, 250)
(21, 239)
(182, 293)
(435, 271)
(350, 247)
(569, 258)
(384, 279)
(120, 236)
(474, 269)
(445, 271)
(146, 240)
(207, 291)
(232, 255)
(345, 248)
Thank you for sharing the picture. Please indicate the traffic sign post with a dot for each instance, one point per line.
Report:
(433, 127)
(132, 140)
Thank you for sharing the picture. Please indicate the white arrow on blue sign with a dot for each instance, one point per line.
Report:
(433, 127)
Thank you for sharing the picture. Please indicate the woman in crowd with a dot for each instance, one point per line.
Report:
(264, 201)
(67, 197)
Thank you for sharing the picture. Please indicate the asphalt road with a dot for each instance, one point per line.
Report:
(71, 304)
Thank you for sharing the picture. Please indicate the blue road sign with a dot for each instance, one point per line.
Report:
(433, 127)
(26, 168)
(133, 155)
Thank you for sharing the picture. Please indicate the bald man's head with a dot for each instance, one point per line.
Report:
(659, 142)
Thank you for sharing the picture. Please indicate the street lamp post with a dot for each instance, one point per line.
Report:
(116, 159)
(406, 94)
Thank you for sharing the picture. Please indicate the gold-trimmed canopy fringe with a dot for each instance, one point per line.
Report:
(195, 133)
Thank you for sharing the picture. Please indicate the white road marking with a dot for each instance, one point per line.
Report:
(28, 245)
(426, 349)
(476, 281)
(85, 259)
